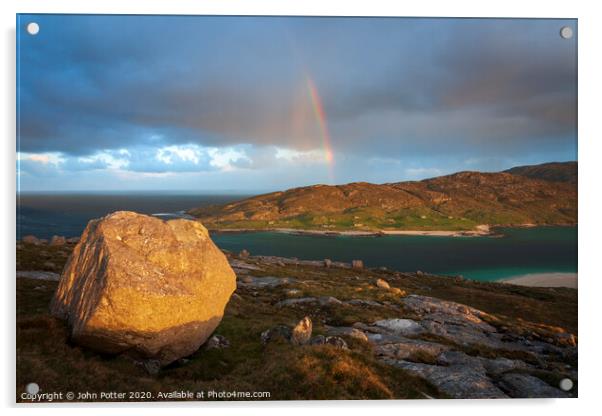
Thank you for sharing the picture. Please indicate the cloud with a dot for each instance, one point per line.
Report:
(420, 173)
(169, 159)
(160, 94)
(42, 165)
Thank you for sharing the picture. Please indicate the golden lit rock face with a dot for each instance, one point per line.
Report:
(138, 285)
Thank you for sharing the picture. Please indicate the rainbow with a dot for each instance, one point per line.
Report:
(316, 103)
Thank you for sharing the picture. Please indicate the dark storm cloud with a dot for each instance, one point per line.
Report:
(389, 86)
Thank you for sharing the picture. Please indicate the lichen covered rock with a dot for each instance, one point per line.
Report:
(149, 288)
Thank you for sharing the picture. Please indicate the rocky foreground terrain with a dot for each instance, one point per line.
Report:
(540, 194)
(322, 330)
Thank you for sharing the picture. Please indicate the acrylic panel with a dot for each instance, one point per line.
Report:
(295, 208)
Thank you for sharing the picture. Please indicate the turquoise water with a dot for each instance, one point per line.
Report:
(520, 251)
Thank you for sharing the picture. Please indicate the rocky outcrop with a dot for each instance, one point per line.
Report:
(38, 275)
(400, 326)
(459, 323)
(265, 282)
(401, 342)
(135, 284)
(458, 381)
(322, 301)
(527, 386)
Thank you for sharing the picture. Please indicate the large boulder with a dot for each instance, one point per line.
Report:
(139, 285)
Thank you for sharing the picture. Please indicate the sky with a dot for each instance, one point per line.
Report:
(202, 103)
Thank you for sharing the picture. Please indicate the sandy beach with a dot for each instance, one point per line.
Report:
(545, 280)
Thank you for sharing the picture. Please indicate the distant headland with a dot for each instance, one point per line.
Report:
(460, 204)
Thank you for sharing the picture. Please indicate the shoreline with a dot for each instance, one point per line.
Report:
(483, 230)
(550, 279)
(480, 231)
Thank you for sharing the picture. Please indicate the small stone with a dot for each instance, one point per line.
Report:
(57, 240)
(357, 264)
(398, 291)
(327, 263)
(347, 331)
(383, 284)
(73, 240)
(244, 254)
(152, 366)
(329, 301)
(280, 332)
(318, 340)
(419, 273)
(337, 342)
(49, 265)
(296, 302)
(217, 342)
(31, 239)
(302, 332)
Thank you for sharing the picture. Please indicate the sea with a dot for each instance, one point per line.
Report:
(517, 252)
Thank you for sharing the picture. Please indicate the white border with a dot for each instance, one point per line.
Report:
(590, 201)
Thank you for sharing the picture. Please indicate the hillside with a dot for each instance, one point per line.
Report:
(377, 334)
(555, 171)
(460, 201)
